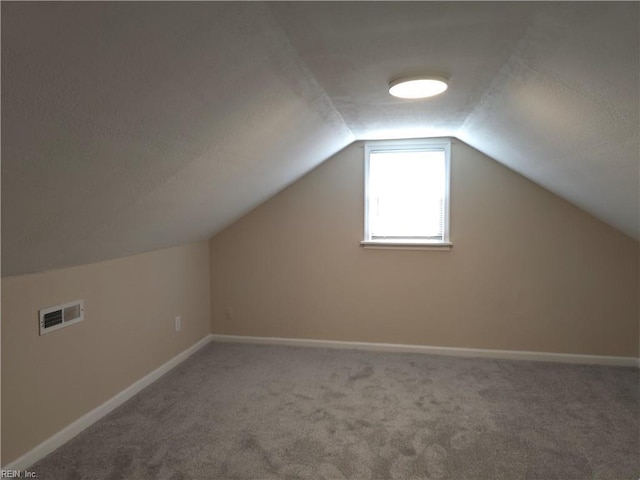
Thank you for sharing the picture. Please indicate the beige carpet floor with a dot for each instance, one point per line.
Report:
(273, 412)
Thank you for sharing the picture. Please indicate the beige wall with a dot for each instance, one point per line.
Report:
(130, 305)
(528, 271)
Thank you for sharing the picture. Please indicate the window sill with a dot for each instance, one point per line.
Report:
(387, 245)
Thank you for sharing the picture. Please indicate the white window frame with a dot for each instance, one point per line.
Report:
(408, 145)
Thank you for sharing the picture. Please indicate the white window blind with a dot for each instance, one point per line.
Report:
(407, 192)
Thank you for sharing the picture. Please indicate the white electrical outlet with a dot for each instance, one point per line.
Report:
(228, 313)
(178, 323)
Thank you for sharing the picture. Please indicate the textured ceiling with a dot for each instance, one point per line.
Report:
(128, 127)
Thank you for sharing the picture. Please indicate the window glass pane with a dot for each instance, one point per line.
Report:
(407, 194)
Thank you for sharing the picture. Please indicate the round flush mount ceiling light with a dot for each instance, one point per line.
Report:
(418, 87)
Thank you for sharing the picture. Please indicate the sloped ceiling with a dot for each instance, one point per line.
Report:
(128, 127)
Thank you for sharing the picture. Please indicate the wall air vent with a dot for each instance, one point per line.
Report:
(54, 318)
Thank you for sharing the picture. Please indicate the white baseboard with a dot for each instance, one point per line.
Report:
(454, 351)
(73, 429)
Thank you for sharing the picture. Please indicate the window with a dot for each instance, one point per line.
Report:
(407, 193)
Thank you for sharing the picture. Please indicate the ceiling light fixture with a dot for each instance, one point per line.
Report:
(418, 87)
